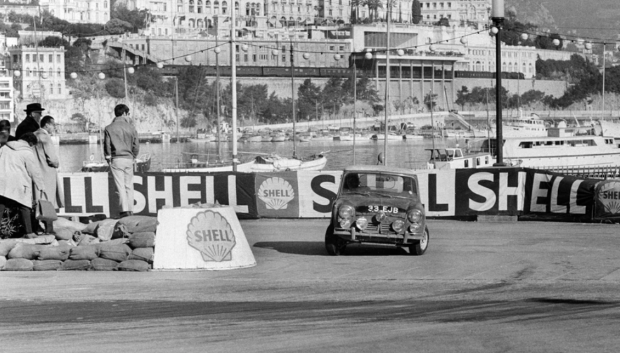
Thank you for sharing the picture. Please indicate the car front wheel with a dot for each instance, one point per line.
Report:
(333, 244)
(420, 246)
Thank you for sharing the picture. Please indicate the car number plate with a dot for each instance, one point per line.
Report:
(386, 209)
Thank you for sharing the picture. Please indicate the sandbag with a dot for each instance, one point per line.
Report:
(91, 228)
(133, 265)
(100, 264)
(18, 265)
(24, 251)
(137, 224)
(41, 239)
(75, 265)
(66, 223)
(54, 253)
(85, 239)
(6, 246)
(120, 231)
(115, 242)
(84, 252)
(63, 233)
(2, 262)
(143, 254)
(142, 240)
(68, 243)
(114, 252)
(105, 229)
(46, 265)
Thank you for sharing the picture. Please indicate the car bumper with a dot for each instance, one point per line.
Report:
(355, 235)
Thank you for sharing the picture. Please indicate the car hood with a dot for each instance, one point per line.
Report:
(364, 200)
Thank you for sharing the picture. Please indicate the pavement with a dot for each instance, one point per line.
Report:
(481, 287)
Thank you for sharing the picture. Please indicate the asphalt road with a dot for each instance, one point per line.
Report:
(481, 287)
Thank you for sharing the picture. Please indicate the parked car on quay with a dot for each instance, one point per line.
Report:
(377, 205)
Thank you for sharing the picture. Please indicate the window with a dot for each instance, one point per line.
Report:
(58, 73)
(59, 88)
(27, 58)
(41, 58)
(51, 88)
(51, 58)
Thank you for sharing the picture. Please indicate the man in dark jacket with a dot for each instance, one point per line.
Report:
(31, 123)
(121, 147)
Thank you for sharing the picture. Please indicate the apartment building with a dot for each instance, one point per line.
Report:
(41, 72)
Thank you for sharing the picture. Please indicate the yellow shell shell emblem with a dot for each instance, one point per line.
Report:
(211, 234)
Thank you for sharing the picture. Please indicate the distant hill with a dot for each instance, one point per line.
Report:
(593, 18)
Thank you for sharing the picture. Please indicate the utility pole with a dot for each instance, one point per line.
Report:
(497, 15)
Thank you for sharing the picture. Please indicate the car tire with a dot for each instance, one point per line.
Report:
(419, 247)
(333, 244)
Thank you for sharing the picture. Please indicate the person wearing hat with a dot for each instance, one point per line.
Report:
(31, 123)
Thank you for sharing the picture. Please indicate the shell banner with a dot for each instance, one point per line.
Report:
(277, 195)
(607, 196)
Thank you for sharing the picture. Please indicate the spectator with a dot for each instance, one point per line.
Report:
(31, 123)
(121, 147)
(19, 170)
(5, 132)
(45, 153)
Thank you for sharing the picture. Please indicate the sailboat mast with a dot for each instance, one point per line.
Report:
(293, 99)
(354, 103)
(233, 85)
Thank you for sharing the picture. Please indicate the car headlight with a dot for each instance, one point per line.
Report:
(414, 227)
(398, 225)
(346, 211)
(361, 223)
(344, 222)
(414, 216)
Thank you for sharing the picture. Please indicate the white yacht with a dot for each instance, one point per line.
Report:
(561, 151)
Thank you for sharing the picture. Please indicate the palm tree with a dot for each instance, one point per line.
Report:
(373, 6)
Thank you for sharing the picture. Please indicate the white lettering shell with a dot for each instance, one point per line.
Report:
(276, 193)
(211, 234)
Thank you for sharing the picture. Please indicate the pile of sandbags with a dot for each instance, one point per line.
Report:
(127, 244)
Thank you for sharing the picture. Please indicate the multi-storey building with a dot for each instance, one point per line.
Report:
(6, 94)
(78, 11)
(337, 11)
(41, 72)
(249, 51)
(455, 11)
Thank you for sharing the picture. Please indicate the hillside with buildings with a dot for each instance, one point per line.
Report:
(186, 44)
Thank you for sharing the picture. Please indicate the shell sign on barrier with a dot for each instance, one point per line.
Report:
(191, 238)
(277, 195)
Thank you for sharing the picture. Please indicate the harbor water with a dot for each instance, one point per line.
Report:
(400, 153)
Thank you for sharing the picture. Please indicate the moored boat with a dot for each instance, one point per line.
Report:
(270, 163)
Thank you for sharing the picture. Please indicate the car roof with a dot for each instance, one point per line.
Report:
(378, 169)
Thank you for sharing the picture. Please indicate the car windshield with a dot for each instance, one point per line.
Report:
(388, 184)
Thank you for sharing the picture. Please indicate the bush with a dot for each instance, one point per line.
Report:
(115, 88)
(150, 100)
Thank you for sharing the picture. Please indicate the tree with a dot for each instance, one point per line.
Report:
(116, 26)
(136, 19)
(462, 97)
(416, 12)
(332, 95)
(54, 42)
(309, 95)
(115, 88)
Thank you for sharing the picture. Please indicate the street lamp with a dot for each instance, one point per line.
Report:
(497, 15)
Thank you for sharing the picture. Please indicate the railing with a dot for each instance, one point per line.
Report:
(601, 172)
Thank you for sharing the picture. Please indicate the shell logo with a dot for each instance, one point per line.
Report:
(610, 197)
(211, 234)
(276, 193)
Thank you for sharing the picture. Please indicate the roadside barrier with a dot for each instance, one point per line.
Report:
(201, 239)
(308, 194)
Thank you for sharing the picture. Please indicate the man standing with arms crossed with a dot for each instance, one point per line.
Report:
(121, 147)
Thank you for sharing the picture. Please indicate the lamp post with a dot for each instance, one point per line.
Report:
(497, 15)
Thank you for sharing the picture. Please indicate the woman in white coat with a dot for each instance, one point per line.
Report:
(18, 170)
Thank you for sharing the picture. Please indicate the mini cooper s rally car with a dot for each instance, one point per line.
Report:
(380, 205)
